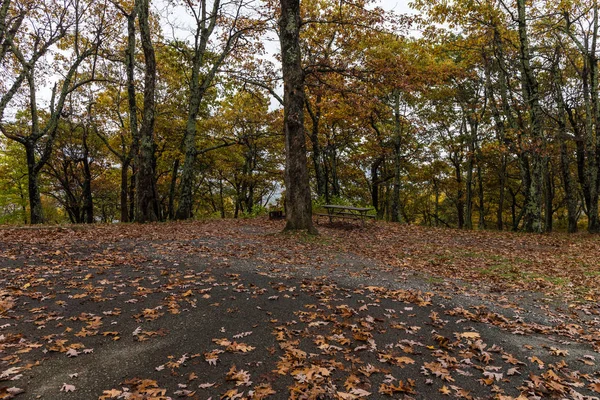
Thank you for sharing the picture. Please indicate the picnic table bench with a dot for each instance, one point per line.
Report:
(349, 212)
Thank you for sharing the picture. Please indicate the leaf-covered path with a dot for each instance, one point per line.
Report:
(235, 309)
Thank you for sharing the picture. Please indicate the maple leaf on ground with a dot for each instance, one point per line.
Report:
(439, 371)
(261, 392)
(240, 377)
(509, 358)
(445, 390)
(400, 387)
(559, 352)
(236, 347)
(536, 360)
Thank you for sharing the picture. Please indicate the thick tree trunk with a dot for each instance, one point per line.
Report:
(132, 193)
(526, 183)
(500, 137)
(36, 213)
(501, 196)
(146, 202)
(88, 200)
(594, 136)
(549, 198)
(501, 128)
(186, 201)
(570, 190)
(123, 193)
(397, 157)
(221, 198)
(297, 196)
(460, 204)
(513, 210)
(469, 177)
(172, 189)
(315, 116)
(529, 83)
(206, 22)
(568, 184)
(129, 201)
(481, 193)
(436, 209)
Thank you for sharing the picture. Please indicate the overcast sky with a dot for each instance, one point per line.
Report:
(399, 6)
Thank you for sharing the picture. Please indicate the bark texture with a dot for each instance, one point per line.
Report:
(297, 196)
(146, 203)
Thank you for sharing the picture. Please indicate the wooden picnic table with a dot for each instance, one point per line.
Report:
(350, 212)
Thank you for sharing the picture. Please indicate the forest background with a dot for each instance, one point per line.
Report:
(462, 114)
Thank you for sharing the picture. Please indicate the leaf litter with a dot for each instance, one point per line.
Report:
(81, 292)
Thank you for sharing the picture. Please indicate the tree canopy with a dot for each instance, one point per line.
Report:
(462, 114)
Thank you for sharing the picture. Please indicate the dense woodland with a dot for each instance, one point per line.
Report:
(469, 114)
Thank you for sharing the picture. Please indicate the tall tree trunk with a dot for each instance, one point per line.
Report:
(569, 187)
(594, 137)
(481, 193)
(530, 89)
(513, 209)
(132, 192)
(501, 194)
(315, 116)
(36, 213)
(186, 201)
(548, 197)
(469, 178)
(127, 216)
(221, 198)
(206, 22)
(570, 190)
(499, 122)
(146, 202)
(460, 203)
(88, 200)
(436, 209)
(397, 157)
(580, 157)
(172, 189)
(526, 183)
(123, 192)
(297, 196)
(375, 184)
(335, 182)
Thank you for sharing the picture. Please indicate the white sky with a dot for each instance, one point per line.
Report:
(399, 6)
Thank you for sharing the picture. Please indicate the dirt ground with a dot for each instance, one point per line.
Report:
(238, 310)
